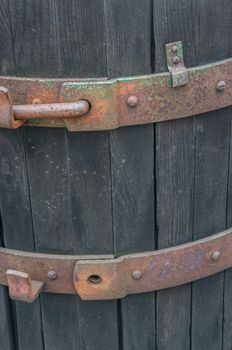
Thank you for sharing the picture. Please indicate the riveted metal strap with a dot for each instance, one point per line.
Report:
(108, 104)
(105, 277)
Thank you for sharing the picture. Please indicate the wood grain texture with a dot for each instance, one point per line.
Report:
(15, 200)
(17, 223)
(227, 320)
(212, 138)
(6, 67)
(174, 163)
(96, 193)
(128, 28)
(212, 133)
(6, 324)
(68, 174)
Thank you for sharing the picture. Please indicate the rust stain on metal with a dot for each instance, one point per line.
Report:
(88, 105)
(145, 272)
(105, 277)
(21, 287)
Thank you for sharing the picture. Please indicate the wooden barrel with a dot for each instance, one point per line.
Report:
(135, 189)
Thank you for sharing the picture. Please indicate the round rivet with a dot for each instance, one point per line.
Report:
(36, 101)
(175, 49)
(136, 275)
(132, 101)
(176, 60)
(52, 275)
(221, 86)
(215, 255)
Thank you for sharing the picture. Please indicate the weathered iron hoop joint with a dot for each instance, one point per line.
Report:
(105, 277)
(102, 104)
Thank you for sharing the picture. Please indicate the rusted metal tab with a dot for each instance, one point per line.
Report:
(88, 105)
(146, 272)
(175, 62)
(104, 277)
(21, 287)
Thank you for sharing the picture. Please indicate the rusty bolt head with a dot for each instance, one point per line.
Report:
(132, 101)
(175, 49)
(36, 101)
(52, 275)
(175, 60)
(215, 255)
(136, 275)
(221, 86)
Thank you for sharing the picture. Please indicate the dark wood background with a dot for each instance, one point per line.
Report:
(130, 190)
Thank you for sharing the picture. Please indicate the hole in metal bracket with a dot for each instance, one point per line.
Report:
(94, 279)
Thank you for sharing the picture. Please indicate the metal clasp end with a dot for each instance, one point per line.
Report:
(21, 287)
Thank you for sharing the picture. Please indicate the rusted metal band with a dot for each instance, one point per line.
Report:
(104, 277)
(119, 102)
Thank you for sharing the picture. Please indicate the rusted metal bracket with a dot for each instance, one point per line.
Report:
(105, 277)
(21, 287)
(175, 62)
(101, 104)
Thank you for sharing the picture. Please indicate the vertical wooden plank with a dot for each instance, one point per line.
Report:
(212, 138)
(6, 67)
(18, 230)
(211, 175)
(81, 28)
(68, 173)
(35, 47)
(206, 41)
(174, 164)
(224, 13)
(227, 321)
(132, 158)
(6, 325)
(15, 206)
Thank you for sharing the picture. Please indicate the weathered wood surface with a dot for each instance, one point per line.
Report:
(129, 190)
(129, 53)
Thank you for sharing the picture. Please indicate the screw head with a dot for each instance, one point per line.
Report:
(52, 275)
(132, 101)
(136, 275)
(175, 60)
(175, 49)
(215, 255)
(221, 85)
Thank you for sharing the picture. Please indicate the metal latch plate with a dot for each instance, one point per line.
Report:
(175, 62)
